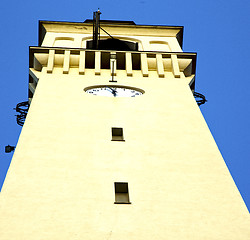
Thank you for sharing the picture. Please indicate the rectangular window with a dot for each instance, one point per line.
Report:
(121, 193)
(117, 134)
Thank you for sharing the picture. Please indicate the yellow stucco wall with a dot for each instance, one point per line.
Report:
(60, 184)
(75, 35)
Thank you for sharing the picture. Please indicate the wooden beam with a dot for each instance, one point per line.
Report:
(97, 63)
(159, 63)
(144, 64)
(66, 61)
(82, 63)
(51, 60)
(175, 66)
(129, 64)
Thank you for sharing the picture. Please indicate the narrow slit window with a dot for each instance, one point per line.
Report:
(117, 134)
(121, 193)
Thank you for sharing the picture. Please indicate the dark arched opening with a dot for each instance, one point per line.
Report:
(114, 44)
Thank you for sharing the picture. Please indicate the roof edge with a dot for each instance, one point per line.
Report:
(42, 30)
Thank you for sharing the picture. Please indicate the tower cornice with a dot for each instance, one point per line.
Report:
(113, 27)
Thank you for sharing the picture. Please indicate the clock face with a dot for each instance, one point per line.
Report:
(114, 91)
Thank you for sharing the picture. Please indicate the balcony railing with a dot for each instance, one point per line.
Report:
(180, 64)
(175, 62)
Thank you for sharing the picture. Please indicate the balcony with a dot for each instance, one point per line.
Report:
(180, 64)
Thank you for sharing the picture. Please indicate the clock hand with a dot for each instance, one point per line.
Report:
(110, 90)
(114, 92)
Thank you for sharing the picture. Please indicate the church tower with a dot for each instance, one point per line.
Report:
(114, 145)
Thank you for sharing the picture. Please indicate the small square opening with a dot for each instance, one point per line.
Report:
(121, 193)
(117, 134)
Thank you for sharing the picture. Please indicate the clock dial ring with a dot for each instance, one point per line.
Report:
(114, 91)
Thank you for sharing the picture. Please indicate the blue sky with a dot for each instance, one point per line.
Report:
(217, 30)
